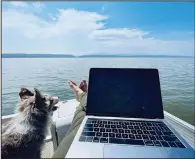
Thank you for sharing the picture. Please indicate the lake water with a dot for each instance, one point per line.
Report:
(51, 76)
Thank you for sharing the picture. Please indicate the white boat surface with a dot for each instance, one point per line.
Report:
(62, 118)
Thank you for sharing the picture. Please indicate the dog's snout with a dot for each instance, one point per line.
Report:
(56, 99)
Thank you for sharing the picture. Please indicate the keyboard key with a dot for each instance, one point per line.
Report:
(158, 137)
(148, 143)
(96, 129)
(159, 133)
(82, 138)
(160, 129)
(104, 122)
(107, 126)
(99, 122)
(131, 136)
(89, 139)
(118, 136)
(149, 128)
(149, 124)
(114, 122)
(133, 132)
(104, 140)
(124, 135)
(156, 143)
(126, 123)
(115, 130)
(138, 136)
(172, 144)
(101, 125)
(93, 122)
(170, 138)
(96, 139)
(168, 133)
(152, 137)
(88, 129)
(124, 127)
(102, 129)
(120, 122)
(108, 130)
(88, 133)
(161, 125)
(145, 137)
(121, 131)
(152, 133)
(130, 127)
(111, 135)
(130, 123)
(89, 121)
(146, 132)
(125, 141)
(109, 122)
(127, 131)
(119, 126)
(88, 125)
(113, 126)
(105, 134)
(164, 144)
(136, 127)
(180, 145)
(139, 132)
(99, 134)
(95, 125)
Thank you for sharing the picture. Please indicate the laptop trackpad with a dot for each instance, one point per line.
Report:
(124, 151)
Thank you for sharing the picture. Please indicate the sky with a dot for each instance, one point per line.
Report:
(78, 28)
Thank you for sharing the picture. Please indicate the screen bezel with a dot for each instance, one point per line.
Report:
(118, 115)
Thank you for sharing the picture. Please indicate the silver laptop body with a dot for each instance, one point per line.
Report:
(125, 119)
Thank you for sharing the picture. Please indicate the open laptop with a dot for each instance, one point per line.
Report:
(125, 118)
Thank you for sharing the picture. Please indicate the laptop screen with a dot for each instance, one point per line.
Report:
(133, 93)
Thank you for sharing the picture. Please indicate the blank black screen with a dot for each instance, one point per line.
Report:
(133, 93)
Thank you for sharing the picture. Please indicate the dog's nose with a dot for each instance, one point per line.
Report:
(57, 99)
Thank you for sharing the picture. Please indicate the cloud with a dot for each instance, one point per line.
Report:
(80, 32)
(19, 4)
(38, 5)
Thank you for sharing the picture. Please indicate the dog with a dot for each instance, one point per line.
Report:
(23, 135)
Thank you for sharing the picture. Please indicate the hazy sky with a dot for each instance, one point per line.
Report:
(98, 27)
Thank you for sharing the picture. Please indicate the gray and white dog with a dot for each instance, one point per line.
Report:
(23, 135)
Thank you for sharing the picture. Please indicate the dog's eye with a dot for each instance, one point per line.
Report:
(43, 98)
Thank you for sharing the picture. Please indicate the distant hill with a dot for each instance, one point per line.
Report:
(36, 56)
(23, 55)
(117, 56)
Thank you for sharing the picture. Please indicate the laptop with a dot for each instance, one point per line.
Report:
(124, 118)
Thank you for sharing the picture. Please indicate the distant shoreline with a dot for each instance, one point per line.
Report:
(87, 56)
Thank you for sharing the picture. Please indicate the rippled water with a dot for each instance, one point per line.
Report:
(51, 76)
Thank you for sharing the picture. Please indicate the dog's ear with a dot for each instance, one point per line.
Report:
(38, 97)
(24, 93)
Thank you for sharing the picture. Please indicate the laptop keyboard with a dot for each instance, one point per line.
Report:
(131, 132)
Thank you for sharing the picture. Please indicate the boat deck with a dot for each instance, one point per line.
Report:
(186, 130)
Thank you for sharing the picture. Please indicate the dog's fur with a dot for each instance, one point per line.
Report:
(23, 136)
